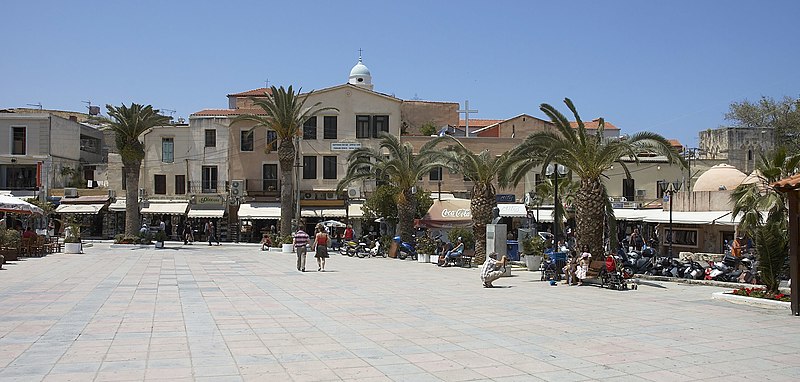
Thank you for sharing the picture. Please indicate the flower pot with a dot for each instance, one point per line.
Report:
(434, 259)
(159, 244)
(533, 262)
(423, 258)
(72, 248)
(287, 248)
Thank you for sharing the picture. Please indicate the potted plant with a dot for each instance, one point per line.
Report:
(72, 239)
(425, 247)
(160, 237)
(286, 243)
(533, 249)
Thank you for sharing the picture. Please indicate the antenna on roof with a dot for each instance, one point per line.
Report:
(93, 109)
(37, 105)
(170, 111)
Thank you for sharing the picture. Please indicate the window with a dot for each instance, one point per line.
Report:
(209, 179)
(247, 140)
(270, 177)
(90, 144)
(272, 139)
(167, 150)
(309, 167)
(362, 126)
(211, 138)
(329, 131)
(329, 167)
(379, 123)
(160, 183)
(180, 184)
(18, 141)
(436, 174)
(682, 237)
(749, 155)
(310, 128)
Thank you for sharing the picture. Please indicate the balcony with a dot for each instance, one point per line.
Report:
(207, 187)
(262, 187)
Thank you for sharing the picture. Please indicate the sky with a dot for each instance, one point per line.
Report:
(671, 67)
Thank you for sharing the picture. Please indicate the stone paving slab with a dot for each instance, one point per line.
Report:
(233, 312)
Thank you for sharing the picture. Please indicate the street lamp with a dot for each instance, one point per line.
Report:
(555, 170)
(672, 188)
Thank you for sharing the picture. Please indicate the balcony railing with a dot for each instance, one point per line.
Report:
(265, 187)
(206, 187)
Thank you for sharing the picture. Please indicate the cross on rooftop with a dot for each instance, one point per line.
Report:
(466, 112)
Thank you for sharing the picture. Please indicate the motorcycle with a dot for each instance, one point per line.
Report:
(405, 249)
(693, 270)
(376, 250)
(351, 248)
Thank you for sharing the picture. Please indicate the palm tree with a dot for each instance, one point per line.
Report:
(750, 199)
(481, 169)
(567, 190)
(401, 168)
(285, 112)
(128, 123)
(587, 156)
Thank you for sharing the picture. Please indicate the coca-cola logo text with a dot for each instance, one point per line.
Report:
(459, 213)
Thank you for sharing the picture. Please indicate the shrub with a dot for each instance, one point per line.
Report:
(761, 293)
(533, 245)
(161, 236)
(465, 234)
(425, 245)
(123, 239)
(72, 234)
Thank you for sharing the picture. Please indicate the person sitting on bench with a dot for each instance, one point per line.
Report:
(454, 253)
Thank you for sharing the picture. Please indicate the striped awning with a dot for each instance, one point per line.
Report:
(80, 209)
(168, 208)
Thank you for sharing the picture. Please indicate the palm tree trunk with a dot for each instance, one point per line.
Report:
(405, 214)
(286, 158)
(481, 205)
(590, 210)
(132, 220)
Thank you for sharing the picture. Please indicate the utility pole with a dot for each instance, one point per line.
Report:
(297, 167)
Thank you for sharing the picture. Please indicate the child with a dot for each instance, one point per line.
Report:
(583, 266)
(266, 242)
(569, 270)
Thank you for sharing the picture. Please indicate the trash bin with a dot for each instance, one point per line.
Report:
(513, 250)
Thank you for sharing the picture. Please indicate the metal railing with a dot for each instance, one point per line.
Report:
(206, 187)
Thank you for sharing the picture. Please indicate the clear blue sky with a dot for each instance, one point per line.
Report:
(671, 67)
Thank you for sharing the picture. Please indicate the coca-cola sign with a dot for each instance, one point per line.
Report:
(457, 213)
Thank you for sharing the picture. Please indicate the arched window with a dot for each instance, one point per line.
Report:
(749, 155)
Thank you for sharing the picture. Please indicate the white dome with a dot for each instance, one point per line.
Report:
(720, 177)
(360, 76)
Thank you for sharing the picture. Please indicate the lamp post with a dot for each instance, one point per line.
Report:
(671, 189)
(555, 170)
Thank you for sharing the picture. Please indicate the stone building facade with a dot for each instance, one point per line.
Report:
(737, 146)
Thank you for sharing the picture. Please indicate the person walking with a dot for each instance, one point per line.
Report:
(210, 234)
(321, 247)
(188, 235)
(300, 241)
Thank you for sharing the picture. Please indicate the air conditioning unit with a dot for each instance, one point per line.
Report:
(237, 187)
(353, 192)
(308, 195)
(641, 193)
(330, 196)
(70, 192)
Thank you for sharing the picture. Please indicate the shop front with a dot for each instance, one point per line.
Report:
(209, 208)
(87, 211)
(172, 212)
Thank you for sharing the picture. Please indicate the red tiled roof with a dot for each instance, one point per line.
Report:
(228, 112)
(253, 93)
(594, 124)
(479, 122)
(786, 184)
(674, 143)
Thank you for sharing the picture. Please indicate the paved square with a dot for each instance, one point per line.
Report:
(236, 313)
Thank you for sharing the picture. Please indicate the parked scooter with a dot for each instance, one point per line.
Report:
(405, 249)
(350, 248)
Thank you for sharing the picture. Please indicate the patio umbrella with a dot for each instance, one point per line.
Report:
(14, 205)
(334, 223)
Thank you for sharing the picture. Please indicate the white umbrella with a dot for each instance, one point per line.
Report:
(14, 205)
(334, 223)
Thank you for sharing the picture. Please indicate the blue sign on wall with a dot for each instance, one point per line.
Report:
(505, 198)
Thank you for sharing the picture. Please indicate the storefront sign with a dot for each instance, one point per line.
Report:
(209, 200)
(459, 213)
(506, 198)
(345, 146)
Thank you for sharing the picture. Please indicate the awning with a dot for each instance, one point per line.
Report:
(448, 214)
(81, 209)
(631, 214)
(118, 206)
(166, 208)
(255, 211)
(214, 212)
(690, 217)
(317, 212)
(513, 210)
